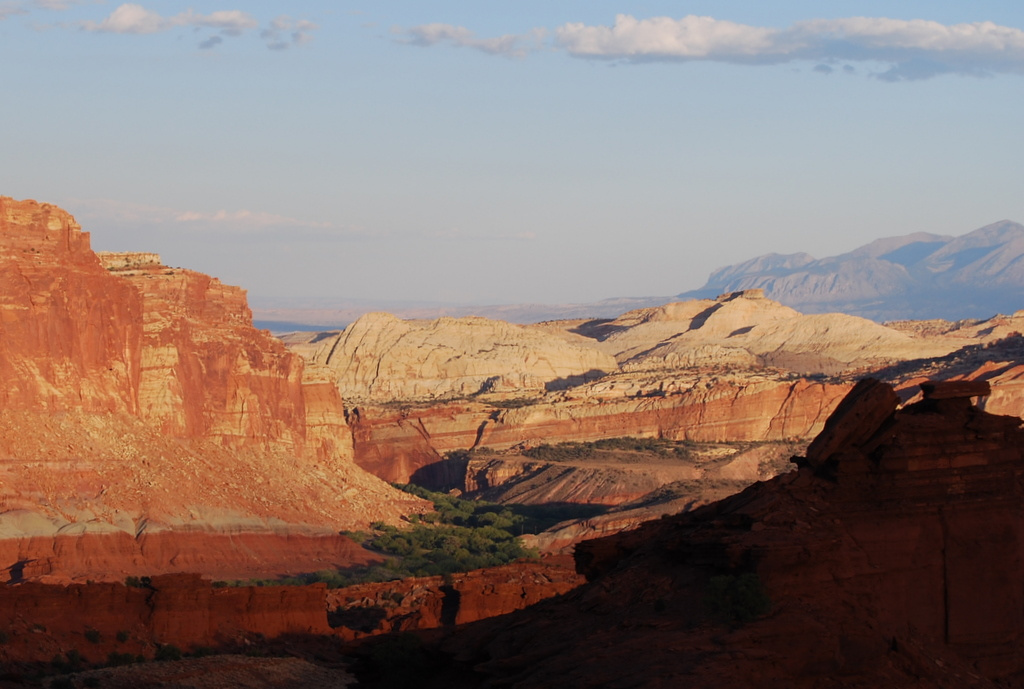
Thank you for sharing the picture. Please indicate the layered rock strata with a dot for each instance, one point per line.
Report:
(396, 443)
(137, 398)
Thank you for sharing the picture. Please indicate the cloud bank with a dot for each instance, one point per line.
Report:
(911, 49)
(130, 18)
(509, 45)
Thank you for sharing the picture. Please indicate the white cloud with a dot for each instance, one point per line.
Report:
(690, 37)
(913, 48)
(509, 45)
(130, 18)
(284, 32)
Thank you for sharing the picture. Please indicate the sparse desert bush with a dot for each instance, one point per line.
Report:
(737, 599)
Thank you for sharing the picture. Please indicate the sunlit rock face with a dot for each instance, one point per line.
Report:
(381, 358)
(139, 399)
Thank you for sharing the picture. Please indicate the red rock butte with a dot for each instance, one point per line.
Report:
(146, 426)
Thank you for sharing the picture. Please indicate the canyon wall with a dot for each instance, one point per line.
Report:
(396, 443)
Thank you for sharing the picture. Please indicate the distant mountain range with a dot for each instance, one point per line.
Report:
(917, 276)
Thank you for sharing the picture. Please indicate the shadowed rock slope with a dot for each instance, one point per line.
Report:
(892, 557)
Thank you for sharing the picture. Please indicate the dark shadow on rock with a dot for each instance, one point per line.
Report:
(361, 618)
(574, 381)
(448, 474)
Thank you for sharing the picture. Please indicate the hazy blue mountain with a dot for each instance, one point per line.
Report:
(918, 276)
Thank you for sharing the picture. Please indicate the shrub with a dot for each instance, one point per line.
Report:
(93, 636)
(168, 652)
(737, 599)
(122, 635)
(115, 659)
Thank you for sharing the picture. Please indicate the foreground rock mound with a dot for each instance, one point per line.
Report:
(892, 557)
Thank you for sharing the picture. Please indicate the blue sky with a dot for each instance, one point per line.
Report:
(509, 151)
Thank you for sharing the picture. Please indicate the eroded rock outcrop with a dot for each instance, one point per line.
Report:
(382, 358)
(431, 602)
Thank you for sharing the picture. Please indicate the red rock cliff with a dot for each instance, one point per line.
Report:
(138, 398)
(42, 621)
(70, 334)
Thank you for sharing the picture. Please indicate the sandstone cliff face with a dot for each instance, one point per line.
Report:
(43, 621)
(70, 335)
(381, 358)
(204, 370)
(138, 398)
(394, 444)
(891, 558)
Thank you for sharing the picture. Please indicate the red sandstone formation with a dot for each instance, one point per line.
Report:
(431, 602)
(892, 558)
(136, 399)
(394, 444)
(41, 621)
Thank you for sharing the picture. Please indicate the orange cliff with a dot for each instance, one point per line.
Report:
(138, 401)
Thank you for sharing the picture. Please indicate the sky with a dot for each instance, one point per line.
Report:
(510, 151)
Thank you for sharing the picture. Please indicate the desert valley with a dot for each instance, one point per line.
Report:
(682, 495)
